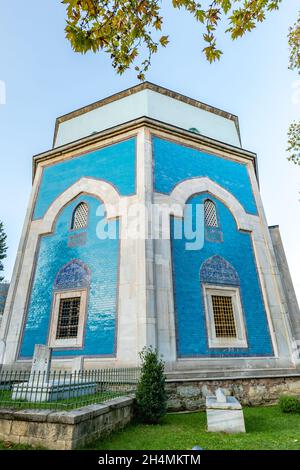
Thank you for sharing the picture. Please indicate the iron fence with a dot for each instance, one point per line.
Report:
(65, 390)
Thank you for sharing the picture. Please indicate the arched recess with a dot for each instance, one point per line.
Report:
(188, 188)
(102, 190)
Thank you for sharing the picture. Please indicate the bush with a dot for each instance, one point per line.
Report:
(151, 399)
(289, 404)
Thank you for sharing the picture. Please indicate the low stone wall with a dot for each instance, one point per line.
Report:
(189, 395)
(72, 429)
(64, 430)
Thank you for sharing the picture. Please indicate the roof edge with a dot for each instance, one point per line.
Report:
(135, 124)
(136, 89)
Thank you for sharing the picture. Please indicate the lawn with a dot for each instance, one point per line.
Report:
(6, 401)
(267, 428)
(11, 446)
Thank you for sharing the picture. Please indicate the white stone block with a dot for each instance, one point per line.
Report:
(41, 361)
(221, 397)
(225, 417)
(228, 421)
(53, 390)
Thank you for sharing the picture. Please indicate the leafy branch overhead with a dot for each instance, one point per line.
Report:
(294, 129)
(294, 143)
(129, 29)
(3, 248)
(294, 44)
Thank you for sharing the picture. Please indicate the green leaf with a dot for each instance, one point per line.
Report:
(164, 40)
(128, 29)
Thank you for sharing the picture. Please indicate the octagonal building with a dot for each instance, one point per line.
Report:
(85, 285)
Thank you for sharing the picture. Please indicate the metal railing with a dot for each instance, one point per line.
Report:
(64, 390)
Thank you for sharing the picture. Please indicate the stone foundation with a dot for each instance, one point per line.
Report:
(190, 395)
(65, 430)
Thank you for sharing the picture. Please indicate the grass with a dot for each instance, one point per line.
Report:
(267, 428)
(10, 446)
(62, 404)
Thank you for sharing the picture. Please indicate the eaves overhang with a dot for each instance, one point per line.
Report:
(172, 131)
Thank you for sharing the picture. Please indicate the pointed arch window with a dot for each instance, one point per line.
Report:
(213, 232)
(210, 214)
(80, 216)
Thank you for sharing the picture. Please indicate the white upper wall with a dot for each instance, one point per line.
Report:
(150, 103)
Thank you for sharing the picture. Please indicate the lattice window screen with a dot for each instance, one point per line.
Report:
(223, 316)
(80, 216)
(68, 318)
(210, 214)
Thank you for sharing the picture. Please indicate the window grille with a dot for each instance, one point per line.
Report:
(68, 318)
(80, 216)
(223, 316)
(210, 214)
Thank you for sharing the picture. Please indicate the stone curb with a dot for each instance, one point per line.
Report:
(66, 417)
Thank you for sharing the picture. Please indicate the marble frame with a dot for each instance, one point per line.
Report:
(240, 341)
(68, 343)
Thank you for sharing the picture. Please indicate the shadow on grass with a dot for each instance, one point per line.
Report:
(266, 419)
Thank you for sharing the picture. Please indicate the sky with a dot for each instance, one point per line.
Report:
(44, 79)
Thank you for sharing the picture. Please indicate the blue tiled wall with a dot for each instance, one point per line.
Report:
(102, 258)
(115, 164)
(174, 163)
(237, 249)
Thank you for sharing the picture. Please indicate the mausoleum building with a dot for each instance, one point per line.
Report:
(87, 283)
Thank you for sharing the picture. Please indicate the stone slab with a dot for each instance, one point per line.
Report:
(220, 395)
(70, 417)
(120, 402)
(32, 415)
(231, 403)
(228, 421)
(41, 361)
(7, 413)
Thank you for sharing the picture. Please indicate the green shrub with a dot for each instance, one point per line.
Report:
(151, 399)
(289, 404)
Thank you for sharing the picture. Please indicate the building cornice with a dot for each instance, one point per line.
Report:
(146, 86)
(155, 126)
